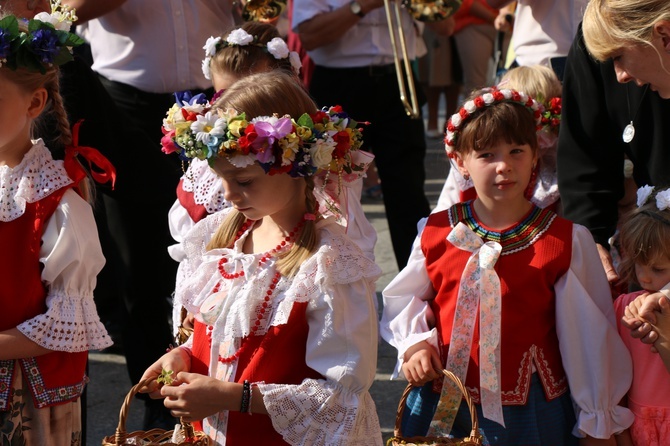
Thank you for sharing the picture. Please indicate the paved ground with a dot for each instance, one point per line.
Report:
(109, 379)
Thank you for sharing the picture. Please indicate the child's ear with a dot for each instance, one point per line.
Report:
(458, 160)
(662, 28)
(37, 102)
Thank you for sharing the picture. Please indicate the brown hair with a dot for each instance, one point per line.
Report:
(264, 94)
(644, 238)
(505, 121)
(609, 25)
(241, 61)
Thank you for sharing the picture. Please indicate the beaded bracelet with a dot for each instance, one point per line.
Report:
(251, 389)
(246, 397)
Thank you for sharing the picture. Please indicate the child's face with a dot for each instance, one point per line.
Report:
(499, 173)
(654, 276)
(257, 194)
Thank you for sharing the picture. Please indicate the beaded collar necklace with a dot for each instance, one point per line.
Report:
(285, 244)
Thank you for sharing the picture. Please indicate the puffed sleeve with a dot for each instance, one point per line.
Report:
(72, 258)
(342, 347)
(597, 364)
(407, 317)
(179, 223)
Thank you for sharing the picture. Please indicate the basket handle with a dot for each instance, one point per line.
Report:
(123, 413)
(474, 433)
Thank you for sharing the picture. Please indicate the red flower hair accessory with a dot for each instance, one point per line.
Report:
(490, 96)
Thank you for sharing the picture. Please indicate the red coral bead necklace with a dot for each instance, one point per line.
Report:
(286, 243)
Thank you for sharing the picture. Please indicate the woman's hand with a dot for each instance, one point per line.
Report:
(199, 396)
(422, 364)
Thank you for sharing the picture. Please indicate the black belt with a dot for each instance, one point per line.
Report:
(369, 70)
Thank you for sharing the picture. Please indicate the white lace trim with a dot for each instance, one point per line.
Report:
(205, 185)
(37, 176)
(337, 261)
(71, 324)
(337, 417)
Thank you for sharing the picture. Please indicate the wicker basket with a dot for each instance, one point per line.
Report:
(475, 437)
(153, 437)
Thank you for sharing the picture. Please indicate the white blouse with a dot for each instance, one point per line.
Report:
(338, 284)
(596, 362)
(70, 254)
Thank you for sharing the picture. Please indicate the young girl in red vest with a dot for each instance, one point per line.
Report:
(50, 254)
(285, 338)
(254, 47)
(508, 296)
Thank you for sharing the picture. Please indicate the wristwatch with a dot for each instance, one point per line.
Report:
(356, 8)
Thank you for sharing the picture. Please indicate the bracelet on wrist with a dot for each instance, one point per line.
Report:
(246, 397)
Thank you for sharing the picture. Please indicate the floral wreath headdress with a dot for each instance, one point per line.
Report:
(662, 202)
(45, 42)
(239, 37)
(321, 142)
(490, 97)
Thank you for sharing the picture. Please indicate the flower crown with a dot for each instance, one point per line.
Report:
(551, 116)
(46, 42)
(490, 97)
(662, 197)
(319, 142)
(239, 37)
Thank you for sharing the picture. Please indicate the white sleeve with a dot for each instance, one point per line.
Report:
(359, 228)
(72, 258)
(597, 364)
(407, 317)
(180, 223)
(342, 346)
(451, 192)
(304, 10)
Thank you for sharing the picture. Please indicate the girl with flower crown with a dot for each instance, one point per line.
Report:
(509, 297)
(645, 247)
(51, 253)
(284, 345)
(252, 48)
(542, 84)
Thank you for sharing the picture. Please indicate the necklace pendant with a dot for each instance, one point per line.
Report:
(628, 133)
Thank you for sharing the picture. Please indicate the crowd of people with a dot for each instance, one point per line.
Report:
(187, 186)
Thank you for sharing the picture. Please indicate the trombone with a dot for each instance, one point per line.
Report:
(411, 104)
(424, 11)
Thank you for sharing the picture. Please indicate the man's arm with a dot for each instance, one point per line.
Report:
(498, 3)
(92, 9)
(328, 27)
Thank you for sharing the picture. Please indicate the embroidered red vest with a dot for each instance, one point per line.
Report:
(196, 211)
(535, 254)
(57, 377)
(277, 357)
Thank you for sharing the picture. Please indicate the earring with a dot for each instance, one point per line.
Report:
(466, 176)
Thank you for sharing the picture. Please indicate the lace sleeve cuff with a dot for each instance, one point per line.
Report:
(70, 324)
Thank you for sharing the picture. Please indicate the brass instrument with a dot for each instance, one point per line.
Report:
(424, 11)
(262, 10)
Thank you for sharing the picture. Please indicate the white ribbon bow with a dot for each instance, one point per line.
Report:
(480, 286)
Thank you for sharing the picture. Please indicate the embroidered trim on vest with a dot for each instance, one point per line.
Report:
(48, 397)
(519, 396)
(514, 240)
(6, 374)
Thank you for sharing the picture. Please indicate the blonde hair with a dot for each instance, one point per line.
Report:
(644, 238)
(29, 81)
(538, 81)
(264, 94)
(242, 60)
(609, 25)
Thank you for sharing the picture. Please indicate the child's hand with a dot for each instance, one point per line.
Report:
(640, 314)
(422, 364)
(169, 365)
(200, 396)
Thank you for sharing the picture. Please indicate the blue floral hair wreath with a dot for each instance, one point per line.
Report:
(42, 46)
